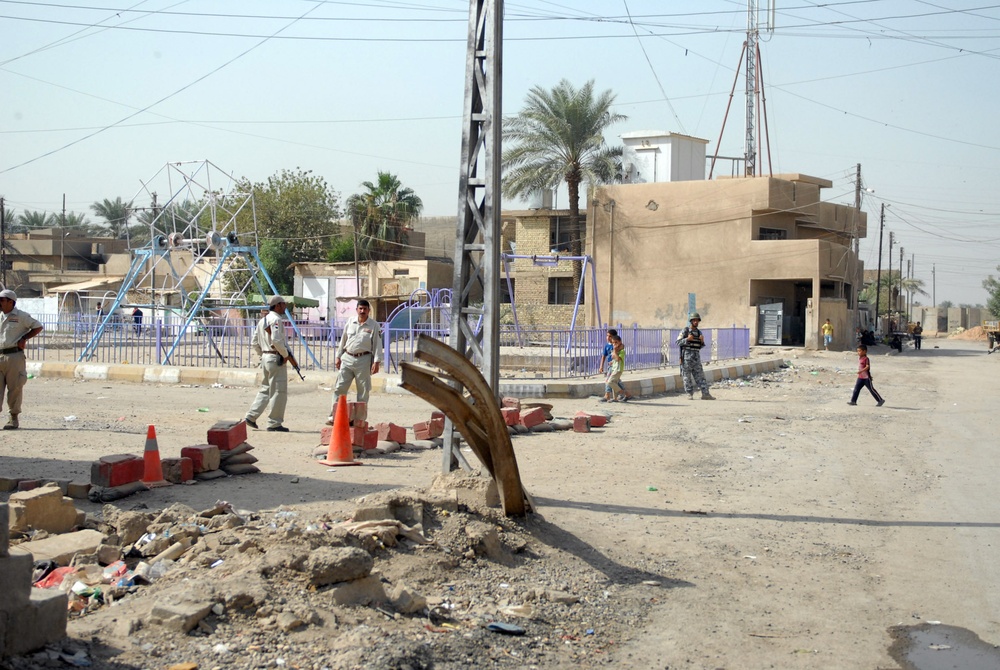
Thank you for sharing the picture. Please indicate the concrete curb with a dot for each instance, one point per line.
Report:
(639, 383)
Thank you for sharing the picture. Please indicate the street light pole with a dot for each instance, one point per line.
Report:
(878, 277)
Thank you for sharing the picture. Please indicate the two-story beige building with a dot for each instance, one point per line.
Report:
(761, 252)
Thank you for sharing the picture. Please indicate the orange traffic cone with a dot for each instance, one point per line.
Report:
(153, 474)
(340, 452)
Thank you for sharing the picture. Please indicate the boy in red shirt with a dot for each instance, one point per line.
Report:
(864, 378)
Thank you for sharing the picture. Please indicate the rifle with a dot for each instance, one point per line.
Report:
(295, 366)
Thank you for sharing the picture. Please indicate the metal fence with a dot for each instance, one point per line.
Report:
(553, 353)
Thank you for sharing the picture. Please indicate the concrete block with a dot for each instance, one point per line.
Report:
(390, 432)
(204, 457)
(228, 435)
(15, 580)
(8, 484)
(43, 508)
(4, 530)
(41, 622)
(116, 470)
(177, 470)
(28, 484)
(63, 484)
(511, 415)
(532, 417)
(581, 424)
(78, 490)
(62, 548)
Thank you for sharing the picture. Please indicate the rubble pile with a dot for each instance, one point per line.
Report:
(422, 578)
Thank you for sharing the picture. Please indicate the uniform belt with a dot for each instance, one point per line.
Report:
(10, 350)
(359, 353)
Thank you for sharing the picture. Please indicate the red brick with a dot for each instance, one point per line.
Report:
(28, 484)
(581, 424)
(355, 410)
(177, 470)
(370, 440)
(532, 417)
(437, 415)
(422, 430)
(437, 424)
(391, 432)
(358, 435)
(511, 415)
(204, 457)
(228, 435)
(514, 403)
(324, 434)
(596, 420)
(116, 470)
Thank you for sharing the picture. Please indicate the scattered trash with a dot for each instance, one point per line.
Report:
(31, 376)
(651, 582)
(202, 409)
(216, 563)
(934, 623)
(752, 558)
(745, 419)
(505, 628)
(939, 647)
(749, 458)
(217, 386)
(589, 631)
(652, 488)
(523, 611)
(71, 417)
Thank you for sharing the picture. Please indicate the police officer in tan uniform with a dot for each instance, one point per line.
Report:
(16, 328)
(271, 345)
(359, 355)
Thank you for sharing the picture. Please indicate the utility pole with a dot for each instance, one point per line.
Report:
(857, 206)
(899, 294)
(892, 238)
(878, 277)
(934, 284)
(3, 244)
(62, 240)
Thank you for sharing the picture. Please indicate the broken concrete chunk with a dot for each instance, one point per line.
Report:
(329, 565)
(43, 508)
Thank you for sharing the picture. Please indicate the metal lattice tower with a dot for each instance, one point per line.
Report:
(475, 330)
(753, 35)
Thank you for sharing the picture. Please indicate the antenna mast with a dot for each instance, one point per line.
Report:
(753, 35)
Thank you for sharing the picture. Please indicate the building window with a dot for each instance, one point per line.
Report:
(559, 237)
(772, 234)
(397, 272)
(506, 294)
(561, 291)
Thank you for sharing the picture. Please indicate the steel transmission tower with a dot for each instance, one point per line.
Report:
(475, 330)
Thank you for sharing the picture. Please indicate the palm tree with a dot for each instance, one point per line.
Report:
(559, 136)
(381, 216)
(116, 213)
(30, 219)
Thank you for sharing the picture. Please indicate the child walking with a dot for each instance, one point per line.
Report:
(864, 378)
(615, 368)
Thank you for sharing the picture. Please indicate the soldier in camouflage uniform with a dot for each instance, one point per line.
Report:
(691, 342)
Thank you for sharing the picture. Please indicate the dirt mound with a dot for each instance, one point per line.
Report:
(974, 333)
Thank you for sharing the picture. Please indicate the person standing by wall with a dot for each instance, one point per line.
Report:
(918, 335)
(271, 345)
(864, 378)
(827, 334)
(16, 328)
(359, 355)
(691, 341)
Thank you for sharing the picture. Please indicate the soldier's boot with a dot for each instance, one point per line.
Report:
(707, 396)
(12, 423)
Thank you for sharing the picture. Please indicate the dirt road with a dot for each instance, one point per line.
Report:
(787, 529)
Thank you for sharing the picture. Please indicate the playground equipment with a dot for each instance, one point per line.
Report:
(200, 220)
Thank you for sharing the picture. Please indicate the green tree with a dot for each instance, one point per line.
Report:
(946, 304)
(116, 214)
(559, 136)
(341, 250)
(992, 286)
(381, 215)
(10, 220)
(34, 220)
(297, 211)
(277, 259)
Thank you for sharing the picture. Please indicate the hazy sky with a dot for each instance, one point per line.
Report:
(99, 96)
